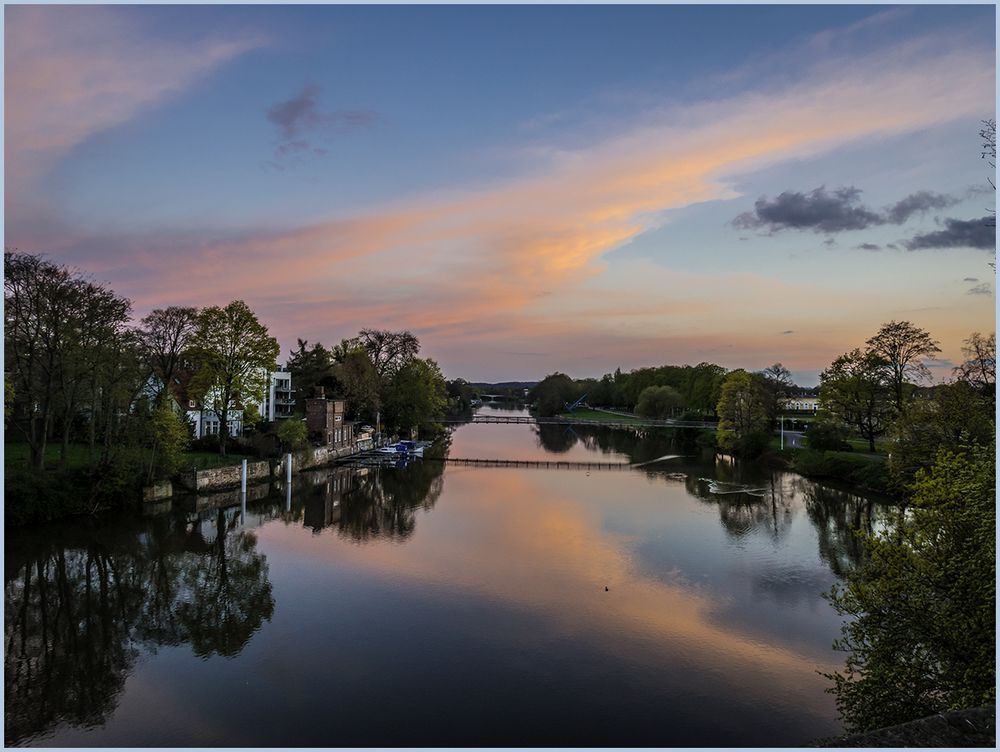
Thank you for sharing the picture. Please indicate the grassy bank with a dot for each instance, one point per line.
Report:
(865, 471)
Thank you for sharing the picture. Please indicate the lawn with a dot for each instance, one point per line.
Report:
(603, 417)
(18, 453)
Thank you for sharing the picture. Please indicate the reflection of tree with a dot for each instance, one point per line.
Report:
(555, 438)
(383, 504)
(837, 515)
(77, 611)
(228, 596)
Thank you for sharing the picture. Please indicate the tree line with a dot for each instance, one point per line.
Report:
(79, 372)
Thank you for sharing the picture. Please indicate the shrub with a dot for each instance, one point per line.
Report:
(827, 435)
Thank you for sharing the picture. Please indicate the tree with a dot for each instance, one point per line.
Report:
(171, 436)
(743, 422)
(954, 416)
(658, 402)
(389, 351)
(777, 381)
(292, 433)
(856, 389)
(234, 355)
(416, 395)
(357, 380)
(165, 334)
(979, 369)
(901, 345)
(921, 638)
(552, 393)
(310, 367)
(989, 135)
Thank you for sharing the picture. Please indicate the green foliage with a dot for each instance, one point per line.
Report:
(921, 636)
(251, 416)
(171, 436)
(358, 381)
(856, 390)
(552, 393)
(292, 433)
(416, 395)
(825, 433)
(658, 402)
(953, 416)
(234, 354)
(860, 471)
(743, 421)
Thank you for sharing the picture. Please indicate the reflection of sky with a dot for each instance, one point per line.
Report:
(495, 609)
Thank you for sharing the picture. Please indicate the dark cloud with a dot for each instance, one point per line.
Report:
(818, 210)
(837, 211)
(830, 242)
(981, 289)
(868, 247)
(918, 202)
(958, 233)
(971, 279)
(789, 331)
(298, 119)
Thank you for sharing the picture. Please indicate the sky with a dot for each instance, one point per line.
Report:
(528, 189)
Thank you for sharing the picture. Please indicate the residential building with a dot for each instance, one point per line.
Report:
(279, 399)
(325, 421)
(803, 403)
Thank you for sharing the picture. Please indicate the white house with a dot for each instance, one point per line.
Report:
(802, 404)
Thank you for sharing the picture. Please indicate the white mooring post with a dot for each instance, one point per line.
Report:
(243, 478)
(288, 468)
(288, 497)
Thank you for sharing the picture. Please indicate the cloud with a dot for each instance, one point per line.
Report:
(868, 247)
(981, 289)
(919, 202)
(958, 233)
(300, 115)
(789, 331)
(839, 211)
(818, 210)
(75, 71)
(498, 260)
(971, 279)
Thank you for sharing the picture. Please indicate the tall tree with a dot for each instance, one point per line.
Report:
(857, 390)
(416, 395)
(389, 351)
(358, 381)
(979, 369)
(234, 354)
(743, 421)
(902, 345)
(777, 382)
(165, 334)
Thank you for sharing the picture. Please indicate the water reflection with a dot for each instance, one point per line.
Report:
(510, 579)
(79, 606)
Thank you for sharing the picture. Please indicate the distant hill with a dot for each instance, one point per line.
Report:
(503, 385)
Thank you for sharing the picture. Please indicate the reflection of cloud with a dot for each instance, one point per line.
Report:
(981, 289)
(510, 536)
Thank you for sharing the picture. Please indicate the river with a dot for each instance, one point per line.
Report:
(676, 604)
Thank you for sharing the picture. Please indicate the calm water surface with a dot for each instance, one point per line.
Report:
(442, 605)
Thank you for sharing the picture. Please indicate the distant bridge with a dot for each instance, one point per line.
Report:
(554, 464)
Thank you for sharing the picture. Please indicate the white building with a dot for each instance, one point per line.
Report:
(279, 399)
(803, 404)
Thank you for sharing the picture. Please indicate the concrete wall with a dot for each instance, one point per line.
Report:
(264, 471)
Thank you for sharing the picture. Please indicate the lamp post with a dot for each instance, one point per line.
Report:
(782, 432)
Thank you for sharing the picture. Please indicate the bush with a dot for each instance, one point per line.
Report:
(865, 472)
(824, 435)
